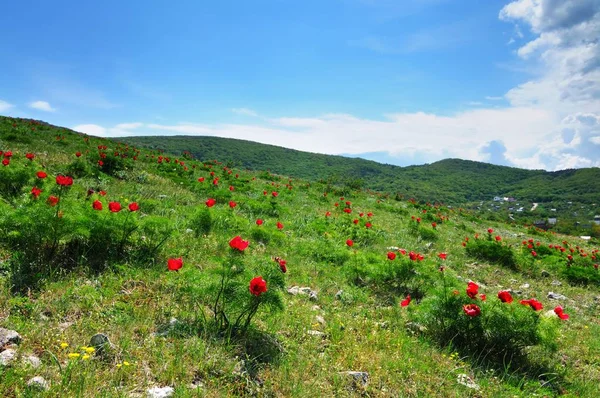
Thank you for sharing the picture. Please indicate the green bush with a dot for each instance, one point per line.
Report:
(491, 251)
(13, 178)
(581, 275)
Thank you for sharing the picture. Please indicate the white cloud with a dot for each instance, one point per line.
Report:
(42, 106)
(244, 112)
(129, 126)
(4, 106)
(491, 98)
(91, 129)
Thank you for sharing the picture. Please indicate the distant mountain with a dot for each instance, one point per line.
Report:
(452, 181)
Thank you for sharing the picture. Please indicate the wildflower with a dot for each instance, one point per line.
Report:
(490, 231)
(102, 193)
(533, 253)
(5, 161)
(279, 225)
(258, 286)
(433, 225)
(100, 163)
(483, 297)
(472, 310)
(85, 357)
(498, 238)
(349, 242)
(201, 179)
(259, 222)
(368, 225)
(210, 202)
(275, 194)
(30, 156)
(231, 188)
(73, 355)
(64, 181)
(78, 154)
(41, 175)
(114, 207)
(232, 204)
(472, 289)
(35, 191)
(559, 311)
(53, 200)
(133, 206)
(391, 256)
(64, 345)
(504, 296)
(347, 210)
(406, 301)
(89, 350)
(175, 264)
(282, 264)
(442, 256)
(97, 205)
(327, 214)
(533, 303)
(238, 243)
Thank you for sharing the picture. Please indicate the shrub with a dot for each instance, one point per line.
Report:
(201, 222)
(582, 275)
(492, 251)
(13, 179)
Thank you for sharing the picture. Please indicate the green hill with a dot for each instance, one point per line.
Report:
(451, 181)
(124, 270)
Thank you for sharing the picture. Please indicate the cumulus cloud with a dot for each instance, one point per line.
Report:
(129, 126)
(4, 106)
(244, 112)
(42, 106)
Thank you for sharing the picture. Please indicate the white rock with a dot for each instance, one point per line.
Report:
(9, 336)
(32, 360)
(320, 319)
(524, 286)
(294, 290)
(358, 378)
(7, 357)
(466, 381)
(160, 392)
(315, 333)
(38, 382)
(556, 296)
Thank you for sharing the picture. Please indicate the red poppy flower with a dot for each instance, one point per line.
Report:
(279, 225)
(391, 256)
(275, 194)
(327, 214)
(559, 311)
(402, 251)
(483, 297)
(210, 202)
(369, 214)
(413, 256)
(349, 242)
(368, 225)
(35, 191)
(533, 303)
(97, 205)
(259, 222)
(405, 302)
(201, 179)
(490, 231)
(361, 214)
(347, 210)
(232, 204)
(8, 154)
(6, 161)
(78, 154)
(238, 243)
(216, 181)
(102, 193)
(442, 256)
(504, 296)
(258, 286)
(30, 156)
(64, 181)
(433, 225)
(472, 289)
(355, 221)
(53, 200)
(282, 265)
(264, 192)
(533, 253)
(114, 207)
(41, 175)
(133, 206)
(472, 310)
(175, 264)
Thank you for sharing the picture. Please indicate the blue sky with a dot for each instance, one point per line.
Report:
(398, 81)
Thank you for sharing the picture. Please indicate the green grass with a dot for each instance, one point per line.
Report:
(365, 329)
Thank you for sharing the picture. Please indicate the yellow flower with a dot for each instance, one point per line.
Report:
(90, 350)
(119, 365)
(85, 356)
(74, 355)
(64, 345)
(126, 363)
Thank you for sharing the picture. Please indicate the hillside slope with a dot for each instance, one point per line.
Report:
(451, 181)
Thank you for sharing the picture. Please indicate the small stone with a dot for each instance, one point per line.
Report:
(7, 357)
(160, 392)
(316, 333)
(63, 326)
(338, 295)
(315, 308)
(9, 336)
(320, 319)
(100, 342)
(294, 290)
(189, 231)
(312, 296)
(38, 382)
(384, 325)
(556, 296)
(358, 378)
(466, 381)
(545, 274)
(518, 292)
(305, 290)
(162, 196)
(33, 361)
(556, 283)
(524, 286)
(415, 328)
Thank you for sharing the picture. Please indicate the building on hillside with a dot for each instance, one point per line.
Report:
(510, 200)
(552, 220)
(497, 199)
(597, 220)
